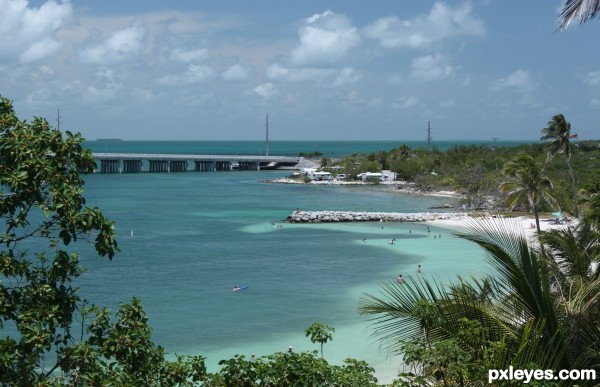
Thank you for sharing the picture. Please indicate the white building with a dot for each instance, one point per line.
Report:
(315, 174)
(385, 175)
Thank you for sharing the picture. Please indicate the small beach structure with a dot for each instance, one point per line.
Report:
(365, 176)
(315, 174)
(381, 176)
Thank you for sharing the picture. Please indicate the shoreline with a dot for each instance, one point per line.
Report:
(451, 220)
(401, 187)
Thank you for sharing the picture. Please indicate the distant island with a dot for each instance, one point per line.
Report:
(109, 139)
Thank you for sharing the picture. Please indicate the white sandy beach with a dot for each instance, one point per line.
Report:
(526, 224)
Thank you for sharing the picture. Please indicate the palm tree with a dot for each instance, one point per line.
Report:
(558, 133)
(525, 182)
(581, 10)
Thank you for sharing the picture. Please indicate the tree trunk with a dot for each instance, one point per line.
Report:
(574, 188)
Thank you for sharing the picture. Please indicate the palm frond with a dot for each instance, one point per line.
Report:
(578, 10)
(521, 269)
(575, 250)
(397, 311)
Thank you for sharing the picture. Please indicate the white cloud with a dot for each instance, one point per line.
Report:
(430, 68)
(189, 56)
(39, 96)
(105, 88)
(326, 38)
(376, 102)
(592, 78)
(346, 77)
(43, 73)
(466, 81)
(447, 103)
(352, 97)
(194, 74)
(405, 102)
(442, 22)
(235, 73)
(29, 34)
(395, 79)
(519, 80)
(278, 72)
(40, 50)
(121, 46)
(266, 90)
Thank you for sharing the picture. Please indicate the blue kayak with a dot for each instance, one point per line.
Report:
(238, 288)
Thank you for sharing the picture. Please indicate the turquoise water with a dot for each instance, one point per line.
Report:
(198, 234)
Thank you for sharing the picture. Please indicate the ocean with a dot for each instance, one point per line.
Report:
(187, 239)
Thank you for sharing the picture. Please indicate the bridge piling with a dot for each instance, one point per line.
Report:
(135, 162)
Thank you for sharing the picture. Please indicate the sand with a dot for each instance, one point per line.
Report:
(525, 224)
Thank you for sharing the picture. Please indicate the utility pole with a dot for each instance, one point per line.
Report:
(429, 138)
(58, 119)
(267, 143)
(494, 146)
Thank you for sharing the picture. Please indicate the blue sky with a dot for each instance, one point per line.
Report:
(321, 70)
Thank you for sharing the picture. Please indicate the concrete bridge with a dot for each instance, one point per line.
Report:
(146, 162)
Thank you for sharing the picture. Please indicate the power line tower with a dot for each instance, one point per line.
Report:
(267, 140)
(429, 138)
(494, 146)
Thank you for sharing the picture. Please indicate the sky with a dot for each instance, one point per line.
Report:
(321, 70)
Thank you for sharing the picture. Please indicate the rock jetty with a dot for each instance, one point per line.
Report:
(350, 216)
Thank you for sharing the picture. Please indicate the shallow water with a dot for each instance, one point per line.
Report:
(196, 235)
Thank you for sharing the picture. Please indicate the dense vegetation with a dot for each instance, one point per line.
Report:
(476, 171)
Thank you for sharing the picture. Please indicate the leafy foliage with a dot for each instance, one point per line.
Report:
(40, 179)
(319, 333)
(293, 369)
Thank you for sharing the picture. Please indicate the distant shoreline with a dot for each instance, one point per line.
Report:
(402, 187)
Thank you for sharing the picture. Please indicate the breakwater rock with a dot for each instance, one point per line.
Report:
(350, 216)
